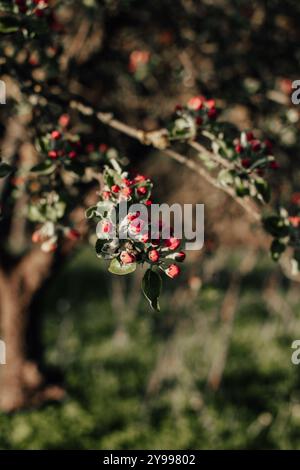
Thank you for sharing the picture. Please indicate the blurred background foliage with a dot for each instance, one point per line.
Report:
(212, 369)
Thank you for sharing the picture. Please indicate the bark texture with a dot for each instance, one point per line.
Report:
(19, 378)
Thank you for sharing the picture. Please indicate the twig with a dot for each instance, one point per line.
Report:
(158, 139)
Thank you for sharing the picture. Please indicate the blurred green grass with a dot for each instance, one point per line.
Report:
(138, 380)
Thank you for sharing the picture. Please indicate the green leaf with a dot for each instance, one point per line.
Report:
(5, 169)
(44, 168)
(276, 226)
(107, 249)
(151, 286)
(263, 189)
(76, 167)
(91, 212)
(277, 248)
(260, 163)
(34, 214)
(225, 177)
(116, 267)
(9, 24)
(240, 187)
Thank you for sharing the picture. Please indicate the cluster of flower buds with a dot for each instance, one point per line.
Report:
(48, 235)
(37, 7)
(144, 242)
(254, 153)
(129, 234)
(199, 113)
(137, 189)
(60, 145)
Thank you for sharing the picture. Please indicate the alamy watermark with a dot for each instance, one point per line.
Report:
(295, 358)
(161, 221)
(2, 353)
(2, 92)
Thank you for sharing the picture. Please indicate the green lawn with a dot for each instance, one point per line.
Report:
(138, 379)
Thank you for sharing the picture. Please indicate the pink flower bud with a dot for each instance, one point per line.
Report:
(53, 154)
(115, 188)
(55, 135)
(210, 104)
(133, 215)
(106, 227)
(255, 144)
(212, 113)
(139, 178)
(106, 195)
(180, 256)
(172, 243)
(36, 237)
(103, 148)
(72, 154)
(153, 255)
(72, 234)
(145, 238)
(172, 271)
(195, 103)
(127, 258)
(142, 190)
(239, 148)
(126, 192)
(64, 120)
(295, 221)
(246, 162)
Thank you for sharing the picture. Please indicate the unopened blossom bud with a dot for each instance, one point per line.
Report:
(115, 188)
(256, 146)
(195, 103)
(139, 178)
(55, 135)
(295, 199)
(72, 234)
(127, 182)
(53, 154)
(64, 120)
(127, 258)
(210, 104)
(172, 243)
(142, 190)
(246, 162)
(126, 192)
(145, 238)
(239, 148)
(153, 255)
(172, 271)
(212, 113)
(103, 148)
(106, 227)
(133, 215)
(36, 237)
(268, 145)
(106, 195)
(180, 256)
(295, 221)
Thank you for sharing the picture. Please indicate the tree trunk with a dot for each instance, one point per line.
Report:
(20, 380)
